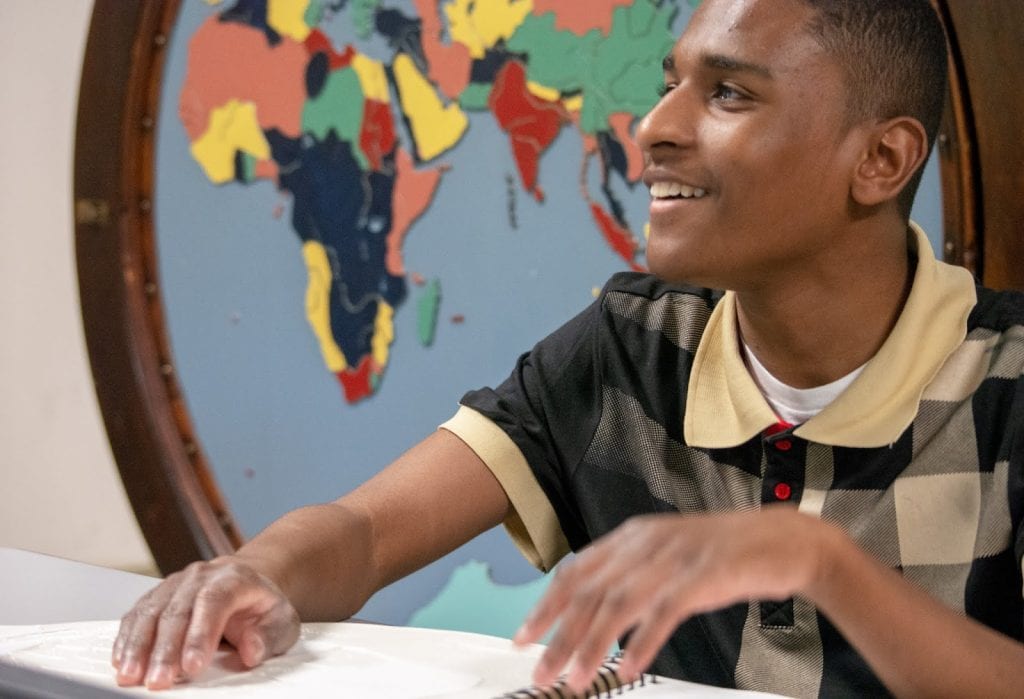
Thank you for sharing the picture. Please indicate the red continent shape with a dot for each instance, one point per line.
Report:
(377, 135)
(531, 122)
(619, 238)
(317, 41)
(356, 382)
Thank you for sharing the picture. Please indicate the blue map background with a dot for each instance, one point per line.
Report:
(272, 420)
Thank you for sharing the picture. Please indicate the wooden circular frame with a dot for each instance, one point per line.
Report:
(166, 475)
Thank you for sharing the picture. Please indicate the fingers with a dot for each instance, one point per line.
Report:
(594, 600)
(606, 591)
(172, 625)
(653, 572)
(212, 608)
(573, 624)
(617, 612)
(269, 627)
(135, 638)
(647, 639)
(173, 632)
(551, 604)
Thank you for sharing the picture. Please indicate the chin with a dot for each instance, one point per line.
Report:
(671, 267)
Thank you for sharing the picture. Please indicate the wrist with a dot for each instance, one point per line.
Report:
(264, 566)
(831, 551)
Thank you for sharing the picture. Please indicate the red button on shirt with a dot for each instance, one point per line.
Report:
(783, 491)
(783, 445)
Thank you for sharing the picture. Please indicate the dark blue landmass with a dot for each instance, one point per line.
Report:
(486, 69)
(348, 211)
(252, 13)
(613, 159)
(317, 69)
(404, 34)
(612, 153)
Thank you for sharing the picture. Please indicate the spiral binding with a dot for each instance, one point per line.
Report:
(606, 684)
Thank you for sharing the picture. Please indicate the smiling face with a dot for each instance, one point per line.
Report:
(749, 155)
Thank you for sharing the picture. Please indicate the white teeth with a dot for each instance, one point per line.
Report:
(665, 190)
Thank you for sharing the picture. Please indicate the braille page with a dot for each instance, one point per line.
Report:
(361, 660)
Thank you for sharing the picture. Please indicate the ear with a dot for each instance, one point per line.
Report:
(896, 149)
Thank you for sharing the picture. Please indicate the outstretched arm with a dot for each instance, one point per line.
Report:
(316, 563)
(655, 571)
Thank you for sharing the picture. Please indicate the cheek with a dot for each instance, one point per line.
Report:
(781, 172)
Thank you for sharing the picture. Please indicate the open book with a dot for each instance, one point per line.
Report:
(346, 659)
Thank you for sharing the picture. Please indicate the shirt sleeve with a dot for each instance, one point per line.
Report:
(533, 430)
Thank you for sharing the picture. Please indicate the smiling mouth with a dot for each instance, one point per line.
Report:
(674, 190)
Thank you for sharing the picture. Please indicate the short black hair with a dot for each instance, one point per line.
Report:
(894, 55)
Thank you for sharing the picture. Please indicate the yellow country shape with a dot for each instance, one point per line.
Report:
(383, 333)
(435, 127)
(288, 18)
(318, 309)
(479, 24)
(548, 94)
(573, 104)
(233, 127)
(373, 80)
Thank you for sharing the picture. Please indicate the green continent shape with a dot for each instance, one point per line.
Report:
(557, 58)
(338, 108)
(471, 601)
(619, 72)
(474, 97)
(248, 166)
(626, 70)
(314, 13)
(363, 17)
(426, 312)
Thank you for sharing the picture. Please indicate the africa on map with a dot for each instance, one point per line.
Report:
(358, 143)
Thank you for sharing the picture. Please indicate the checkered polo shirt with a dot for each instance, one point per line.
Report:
(641, 404)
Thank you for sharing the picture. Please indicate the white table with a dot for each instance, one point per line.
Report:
(40, 589)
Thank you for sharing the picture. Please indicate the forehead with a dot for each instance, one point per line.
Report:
(770, 33)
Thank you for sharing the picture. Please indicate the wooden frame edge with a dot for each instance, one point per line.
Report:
(958, 162)
(168, 480)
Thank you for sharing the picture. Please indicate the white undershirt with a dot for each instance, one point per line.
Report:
(795, 405)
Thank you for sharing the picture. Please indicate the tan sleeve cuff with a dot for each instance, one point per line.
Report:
(531, 522)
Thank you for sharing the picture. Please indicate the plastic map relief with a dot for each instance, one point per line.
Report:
(357, 143)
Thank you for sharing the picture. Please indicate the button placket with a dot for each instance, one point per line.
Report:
(783, 475)
(782, 481)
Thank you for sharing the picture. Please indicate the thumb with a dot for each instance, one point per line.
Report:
(252, 649)
(260, 638)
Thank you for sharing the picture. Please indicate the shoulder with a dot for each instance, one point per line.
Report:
(651, 287)
(640, 306)
(998, 311)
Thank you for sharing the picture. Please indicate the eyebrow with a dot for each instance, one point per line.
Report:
(721, 62)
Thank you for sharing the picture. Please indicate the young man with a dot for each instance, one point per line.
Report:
(813, 484)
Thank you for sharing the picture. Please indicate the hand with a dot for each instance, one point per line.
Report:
(655, 571)
(174, 630)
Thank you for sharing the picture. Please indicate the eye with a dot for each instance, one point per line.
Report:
(664, 89)
(727, 93)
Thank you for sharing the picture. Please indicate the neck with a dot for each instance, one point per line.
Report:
(815, 325)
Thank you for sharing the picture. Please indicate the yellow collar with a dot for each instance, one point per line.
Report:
(724, 407)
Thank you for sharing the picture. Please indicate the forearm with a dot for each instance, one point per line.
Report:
(329, 559)
(916, 645)
(321, 557)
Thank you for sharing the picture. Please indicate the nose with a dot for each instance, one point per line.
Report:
(669, 124)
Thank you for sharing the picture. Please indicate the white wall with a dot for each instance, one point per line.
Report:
(59, 488)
